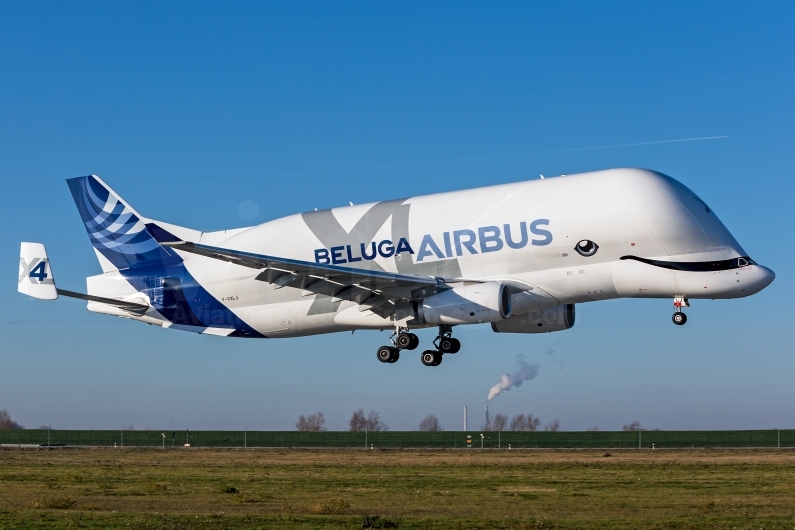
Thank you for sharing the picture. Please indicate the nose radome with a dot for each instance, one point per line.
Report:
(766, 277)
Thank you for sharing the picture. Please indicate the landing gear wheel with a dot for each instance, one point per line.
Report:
(431, 358)
(444, 342)
(679, 318)
(395, 357)
(449, 345)
(407, 341)
(385, 354)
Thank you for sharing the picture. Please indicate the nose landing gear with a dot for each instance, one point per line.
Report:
(679, 318)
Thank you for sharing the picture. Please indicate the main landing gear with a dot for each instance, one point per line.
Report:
(431, 358)
(680, 318)
(401, 339)
(445, 343)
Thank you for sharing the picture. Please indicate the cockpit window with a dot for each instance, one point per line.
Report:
(702, 202)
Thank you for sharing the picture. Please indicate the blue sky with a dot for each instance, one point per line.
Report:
(189, 109)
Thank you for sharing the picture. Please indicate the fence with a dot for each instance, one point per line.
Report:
(398, 439)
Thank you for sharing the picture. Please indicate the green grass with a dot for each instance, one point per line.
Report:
(277, 488)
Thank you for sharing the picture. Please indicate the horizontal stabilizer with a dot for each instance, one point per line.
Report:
(132, 307)
(35, 274)
(36, 280)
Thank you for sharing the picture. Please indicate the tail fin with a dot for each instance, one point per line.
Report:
(120, 235)
(129, 243)
(35, 274)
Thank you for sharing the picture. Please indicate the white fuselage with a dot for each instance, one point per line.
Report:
(625, 212)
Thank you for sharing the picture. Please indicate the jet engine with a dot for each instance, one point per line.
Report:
(541, 321)
(469, 303)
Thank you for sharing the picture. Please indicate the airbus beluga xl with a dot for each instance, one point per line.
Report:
(516, 256)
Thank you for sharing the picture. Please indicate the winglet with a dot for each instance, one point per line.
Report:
(35, 274)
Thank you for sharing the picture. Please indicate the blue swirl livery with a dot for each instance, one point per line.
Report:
(127, 241)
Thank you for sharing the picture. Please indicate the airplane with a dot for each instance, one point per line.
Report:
(517, 256)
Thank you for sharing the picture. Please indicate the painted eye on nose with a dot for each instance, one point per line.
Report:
(586, 248)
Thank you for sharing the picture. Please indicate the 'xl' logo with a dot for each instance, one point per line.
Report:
(37, 270)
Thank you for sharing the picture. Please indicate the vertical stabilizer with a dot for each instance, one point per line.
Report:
(129, 250)
(119, 234)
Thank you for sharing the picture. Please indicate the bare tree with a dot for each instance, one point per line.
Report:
(430, 424)
(592, 429)
(634, 426)
(374, 422)
(520, 422)
(486, 425)
(311, 423)
(367, 422)
(358, 421)
(6, 423)
(552, 426)
(533, 424)
(500, 422)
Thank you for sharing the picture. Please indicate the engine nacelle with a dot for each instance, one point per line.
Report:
(541, 321)
(467, 304)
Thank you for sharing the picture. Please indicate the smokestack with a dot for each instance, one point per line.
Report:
(487, 417)
(465, 418)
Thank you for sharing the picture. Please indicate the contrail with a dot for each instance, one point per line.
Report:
(526, 372)
(449, 160)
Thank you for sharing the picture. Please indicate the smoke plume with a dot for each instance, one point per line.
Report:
(526, 372)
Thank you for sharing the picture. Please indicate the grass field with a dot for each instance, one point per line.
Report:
(465, 488)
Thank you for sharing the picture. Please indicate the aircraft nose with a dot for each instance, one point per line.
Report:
(766, 277)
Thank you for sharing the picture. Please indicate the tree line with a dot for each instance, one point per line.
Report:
(371, 421)
(520, 422)
(360, 421)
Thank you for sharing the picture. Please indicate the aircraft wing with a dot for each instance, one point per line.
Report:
(368, 288)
